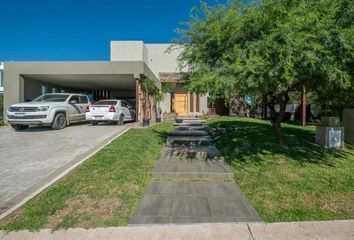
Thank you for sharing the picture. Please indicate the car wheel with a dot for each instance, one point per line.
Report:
(19, 127)
(94, 123)
(59, 121)
(121, 120)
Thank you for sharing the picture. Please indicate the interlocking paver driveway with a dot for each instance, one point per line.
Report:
(31, 158)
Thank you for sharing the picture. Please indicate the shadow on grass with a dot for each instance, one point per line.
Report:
(247, 140)
(162, 135)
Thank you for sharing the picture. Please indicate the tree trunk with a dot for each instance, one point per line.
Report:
(278, 133)
(264, 107)
(277, 118)
(304, 106)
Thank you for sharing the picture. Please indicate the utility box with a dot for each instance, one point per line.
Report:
(329, 134)
(348, 120)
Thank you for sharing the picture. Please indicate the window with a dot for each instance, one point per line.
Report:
(52, 98)
(123, 104)
(83, 99)
(106, 102)
(127, 105)
(74, 98)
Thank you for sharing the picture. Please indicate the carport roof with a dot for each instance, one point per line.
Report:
(97, 74)
(90, 81)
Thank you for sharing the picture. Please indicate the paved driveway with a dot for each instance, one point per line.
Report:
(32, 158)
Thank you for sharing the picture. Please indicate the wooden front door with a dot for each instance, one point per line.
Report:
(181, 103)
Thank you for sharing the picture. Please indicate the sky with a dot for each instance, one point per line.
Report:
(59, 30)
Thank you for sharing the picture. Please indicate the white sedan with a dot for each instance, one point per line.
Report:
(110, 110)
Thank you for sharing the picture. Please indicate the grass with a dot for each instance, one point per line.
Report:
(301, 181)
(103, 191)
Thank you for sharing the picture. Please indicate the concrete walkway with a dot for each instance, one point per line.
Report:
(336, 230)
(206, 194)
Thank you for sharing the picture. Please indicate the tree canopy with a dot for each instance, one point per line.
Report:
(269, 49)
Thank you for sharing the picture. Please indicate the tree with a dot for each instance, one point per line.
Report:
(148, 89)
(269, 49)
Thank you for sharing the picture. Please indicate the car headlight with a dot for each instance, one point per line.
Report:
(42, 108)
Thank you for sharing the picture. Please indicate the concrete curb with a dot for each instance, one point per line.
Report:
(339, 229)
(62, 174)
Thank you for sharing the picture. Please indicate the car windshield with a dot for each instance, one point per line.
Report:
(52, 98)
(106, 102)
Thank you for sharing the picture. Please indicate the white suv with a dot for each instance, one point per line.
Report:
(55, 109)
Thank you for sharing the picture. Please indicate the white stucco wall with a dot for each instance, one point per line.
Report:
(155, 56)
(159, 60)
(204, 103)
(165, 105)
(127, 51)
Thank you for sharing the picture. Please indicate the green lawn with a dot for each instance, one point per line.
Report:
(103, 191)
(301, 181)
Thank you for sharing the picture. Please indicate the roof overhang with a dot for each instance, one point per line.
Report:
(93, 74)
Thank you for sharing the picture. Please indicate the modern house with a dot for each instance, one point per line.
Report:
(117, 78)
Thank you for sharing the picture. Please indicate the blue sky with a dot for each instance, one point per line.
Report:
(81, 29)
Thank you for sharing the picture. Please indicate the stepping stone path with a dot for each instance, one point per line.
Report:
(194, 184)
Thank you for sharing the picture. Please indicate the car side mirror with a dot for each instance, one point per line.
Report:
(73, 101)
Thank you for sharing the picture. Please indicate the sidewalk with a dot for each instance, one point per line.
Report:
(339, 230)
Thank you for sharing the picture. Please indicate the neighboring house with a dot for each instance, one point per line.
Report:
(1, 78)
(117, 78)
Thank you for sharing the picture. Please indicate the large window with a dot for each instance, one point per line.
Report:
(52, 98)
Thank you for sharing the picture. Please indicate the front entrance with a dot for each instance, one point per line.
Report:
(181, 103)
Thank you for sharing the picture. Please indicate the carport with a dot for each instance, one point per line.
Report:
(27, 80)
(100, 86)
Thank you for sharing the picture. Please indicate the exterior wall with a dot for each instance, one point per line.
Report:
(153, 55)
(161, 61)
(127, 51)
(165, 105)
(204, 108)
